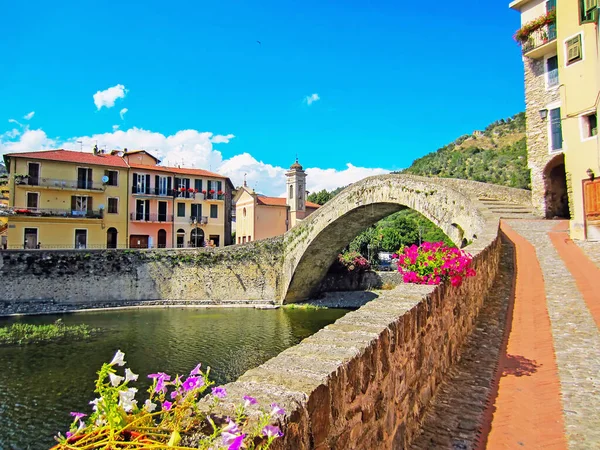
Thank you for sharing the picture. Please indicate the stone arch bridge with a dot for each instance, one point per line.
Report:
(460, 208)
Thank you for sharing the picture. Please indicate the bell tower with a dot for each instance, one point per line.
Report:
(296, 191)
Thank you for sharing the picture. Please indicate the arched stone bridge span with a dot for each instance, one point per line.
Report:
(455, 206)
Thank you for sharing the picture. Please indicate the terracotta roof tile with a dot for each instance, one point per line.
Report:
(177, 170)
(74, 157)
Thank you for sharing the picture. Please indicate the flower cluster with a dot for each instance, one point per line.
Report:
(433, 263)
(170, 412)
(353, 261)
(523, 33)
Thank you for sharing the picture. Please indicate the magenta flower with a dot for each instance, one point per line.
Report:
(167, 405)
(231, 427)
(232, 441)
(276, 409)
(271, 431)
(249, 401)
(196, 370)
(161, 378)
(219, 392)
(192, 383)
(68, 434)
(77, 415)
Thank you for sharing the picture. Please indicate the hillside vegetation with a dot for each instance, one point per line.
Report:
(496, 155)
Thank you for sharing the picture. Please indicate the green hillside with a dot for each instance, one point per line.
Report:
(495, 155)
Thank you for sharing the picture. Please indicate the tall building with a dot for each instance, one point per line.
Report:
(261, 217)
(559, 43)
(66, 199)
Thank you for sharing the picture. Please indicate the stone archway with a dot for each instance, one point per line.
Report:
(556, 196)
(311, 247)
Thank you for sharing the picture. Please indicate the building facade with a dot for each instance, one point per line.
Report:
(65, 199)
(261, 217)
(559, 42)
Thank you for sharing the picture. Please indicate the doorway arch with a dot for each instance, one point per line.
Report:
(197, 237)
(180, 238)
(556, 196)
(161, 241)
(111, 237)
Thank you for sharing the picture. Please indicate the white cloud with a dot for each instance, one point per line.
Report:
(221, 139)
(109, 96)
(29, 115)
(122, 112)
(15, 121)
(310, 99)
(190, 148)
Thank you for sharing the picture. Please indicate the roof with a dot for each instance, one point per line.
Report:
(177, 170)
(73, 157)
(133, 152)
(280, 201)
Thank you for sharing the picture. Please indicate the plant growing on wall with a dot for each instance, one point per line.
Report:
(523, 33)
(351, 262)
(434, 263)
(169, 413)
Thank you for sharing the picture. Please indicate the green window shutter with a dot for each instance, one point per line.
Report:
(590, 5)
(574, 49)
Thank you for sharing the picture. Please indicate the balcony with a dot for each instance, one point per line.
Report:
(540, 42)
(202, 220)
(54, 212)
(141, 217)
(57, 183)
(215, 196)
(158, 192)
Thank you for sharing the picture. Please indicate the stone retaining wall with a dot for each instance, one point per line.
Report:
(359, 281)
(365, 381)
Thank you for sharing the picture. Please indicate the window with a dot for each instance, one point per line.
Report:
(552, 71)
(219, 186)
(33, 200)
(197, 211)
(180, 209)
(291, 191)
(142, 210)
(113, 205)
(589, 125)
(198, 185)
(113, 177)
(214, 209)
(244, 212)
(84, 178)
(555, 130)
(80, 238)
(80, 204)
(33, 171)
(163, 185)
(574, 53)
(588, 10)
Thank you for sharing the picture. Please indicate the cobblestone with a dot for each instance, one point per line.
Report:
(591, 249)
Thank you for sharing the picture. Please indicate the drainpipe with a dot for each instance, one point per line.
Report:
(126, 214)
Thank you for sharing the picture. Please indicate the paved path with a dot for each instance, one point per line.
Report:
(549, 389)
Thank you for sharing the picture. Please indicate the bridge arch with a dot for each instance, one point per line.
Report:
(312, 246)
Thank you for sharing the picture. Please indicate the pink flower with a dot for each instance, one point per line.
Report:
(271, 431)
(456, 280)
(167, 405)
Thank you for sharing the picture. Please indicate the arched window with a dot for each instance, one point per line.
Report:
(197, 237)
(180, 238)
(162, 239)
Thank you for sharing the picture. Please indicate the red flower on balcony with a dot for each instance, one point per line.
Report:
(192, 190)
(182, 189)
(212, 191)
(220, 193)
(204, 192)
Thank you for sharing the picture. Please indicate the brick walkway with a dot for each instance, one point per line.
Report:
(549, 389)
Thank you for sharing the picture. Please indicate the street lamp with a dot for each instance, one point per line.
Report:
(196, 234)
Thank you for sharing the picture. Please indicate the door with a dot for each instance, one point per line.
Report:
(591, 200)
(80, 238)
(162, 239)
(31, 238)
(214, 240)
(142, 210)
(84, 178)
(180, 238)
(33, 171)
(197, 238)
(162, 211)
(111, 238)
(138, 241)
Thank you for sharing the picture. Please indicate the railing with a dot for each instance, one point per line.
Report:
(202, 220)
(54, 212)
(187, 194)
(153, 191)
(141, 217)
(58, 183)
(539, 37)
(215, 196)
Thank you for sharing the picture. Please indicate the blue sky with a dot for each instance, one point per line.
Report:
(394, 81)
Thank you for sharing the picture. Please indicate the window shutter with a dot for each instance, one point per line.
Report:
(187, 183)
(590, 5)
(169, 185)
(156, 184)
(219, 185)
(135, 181)
(73, 203)
(147, 184)
(198, 185)
(89, 178)
(147, 209)
(574, 49)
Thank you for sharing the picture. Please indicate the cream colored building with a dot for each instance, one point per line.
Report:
(559, 41)
(261, 217)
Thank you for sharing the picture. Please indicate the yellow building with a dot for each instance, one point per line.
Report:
(66, 199)
(559, 40)
(261, 217)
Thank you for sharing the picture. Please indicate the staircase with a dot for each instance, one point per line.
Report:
(508, 210)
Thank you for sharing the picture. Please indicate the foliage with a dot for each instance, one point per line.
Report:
(523, 33)
(171, 411)
(324, 196)
(351, 262)
(434, 263)
(22, 333)
(3, 170)
(498, 157)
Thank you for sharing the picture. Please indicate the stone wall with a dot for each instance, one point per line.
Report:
(238, 273)
(359, 281)
(365, 381)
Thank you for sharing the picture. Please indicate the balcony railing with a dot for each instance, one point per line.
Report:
(539, 37)
(142, 217)
(153, 191)
(54, 212)
(215, 196)
(202, 220)
(58, 183)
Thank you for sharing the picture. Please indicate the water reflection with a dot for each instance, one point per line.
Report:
(41, 384)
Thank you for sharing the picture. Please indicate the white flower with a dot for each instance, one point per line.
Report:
(118, 359)
(149, 406)
(130, 376)
(115, 380)
(126, 400)
(95, 403)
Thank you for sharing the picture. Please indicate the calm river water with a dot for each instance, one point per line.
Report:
(41, 384)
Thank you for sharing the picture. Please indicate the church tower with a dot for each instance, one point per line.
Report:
(296, 192)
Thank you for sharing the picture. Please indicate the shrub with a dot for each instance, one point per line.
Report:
(353, 261)
(434, 263)
(23, 333)
(170, 412)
